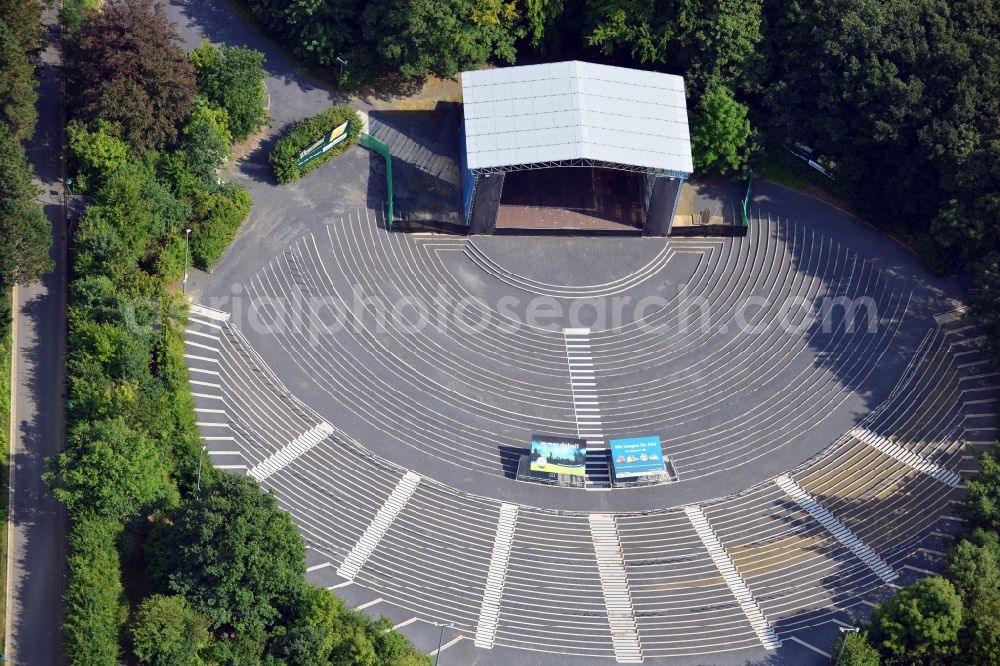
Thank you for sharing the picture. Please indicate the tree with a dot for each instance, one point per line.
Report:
(441, 37)
(232, 78)
(853, 649)
(166, 632)
(981, 635)
(982, 505)
(720, 133)
(25, 233)
(974, 569)
(206, 141)
(540, 15)
(349, 637)
(95, 154)
(129, 71)
(233, 554)
(919, 624)
(24, 18)
(107, 468)
(304, 646)
(17, 86)
(708, 42)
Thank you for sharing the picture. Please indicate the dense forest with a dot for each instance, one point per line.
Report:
(903, 97)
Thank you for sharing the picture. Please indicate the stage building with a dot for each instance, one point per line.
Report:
(573, 146)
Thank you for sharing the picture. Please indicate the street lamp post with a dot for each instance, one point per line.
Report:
(343, 63)
(187, 237)
(843, 643)
(437, 653)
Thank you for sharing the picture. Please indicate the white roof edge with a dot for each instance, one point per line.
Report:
(576, 110)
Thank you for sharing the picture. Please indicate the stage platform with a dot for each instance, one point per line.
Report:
(571, 198)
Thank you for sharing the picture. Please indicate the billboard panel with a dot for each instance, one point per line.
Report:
(337, 134)
(637, 456)
(558, 455)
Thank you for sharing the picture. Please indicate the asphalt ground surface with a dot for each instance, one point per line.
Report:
(730, 418)
(37, 557)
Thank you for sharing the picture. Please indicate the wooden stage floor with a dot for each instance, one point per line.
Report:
(571, 198)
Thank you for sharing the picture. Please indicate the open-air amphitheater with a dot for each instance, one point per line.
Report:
(818, 447)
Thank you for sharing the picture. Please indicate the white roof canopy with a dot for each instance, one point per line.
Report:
(565, 111)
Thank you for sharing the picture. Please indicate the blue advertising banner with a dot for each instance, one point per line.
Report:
(637, 456)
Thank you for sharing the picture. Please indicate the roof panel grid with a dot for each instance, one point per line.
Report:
(575, 110)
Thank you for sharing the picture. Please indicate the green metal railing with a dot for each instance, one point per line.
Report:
(746, 203)
(368, 141)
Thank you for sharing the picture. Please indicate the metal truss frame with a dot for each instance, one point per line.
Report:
(579, 162)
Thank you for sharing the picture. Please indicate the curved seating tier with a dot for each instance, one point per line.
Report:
(434, 558)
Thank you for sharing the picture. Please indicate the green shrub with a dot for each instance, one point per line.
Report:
(94, 155)
(166, 632)
(108, 468)
(94, 608)
(232, 79)
(221, 215)
(305, 133)
(180, 429)
(169, 265)
(206, 141)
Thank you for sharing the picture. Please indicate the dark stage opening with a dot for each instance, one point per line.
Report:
(576, 198)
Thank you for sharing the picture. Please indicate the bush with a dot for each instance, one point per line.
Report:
(853, 649)
(206, 141)
(72, 14)
(920, 623)
(304, 134)
(721, 139)
(221, 215)
(166, 632)
(94, 155)
(232, 79)
(94, 608)
(108, 468)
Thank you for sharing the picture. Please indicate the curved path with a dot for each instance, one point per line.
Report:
(745, 356)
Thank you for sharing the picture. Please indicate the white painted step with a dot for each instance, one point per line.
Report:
(760, 624)
(293, 450)
(837, 529)
(614, 584)
(208, 313)
(489, 611)
(366, 545)
(586, 404)
(907, 457)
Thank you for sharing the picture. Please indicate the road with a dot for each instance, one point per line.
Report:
(37, 555)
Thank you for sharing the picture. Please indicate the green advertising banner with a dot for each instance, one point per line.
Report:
(338, 134)
(558, 455)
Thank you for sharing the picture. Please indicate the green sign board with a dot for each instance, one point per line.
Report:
(338, 134)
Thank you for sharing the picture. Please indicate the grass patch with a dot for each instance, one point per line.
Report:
(781, 170)
(6, 307)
